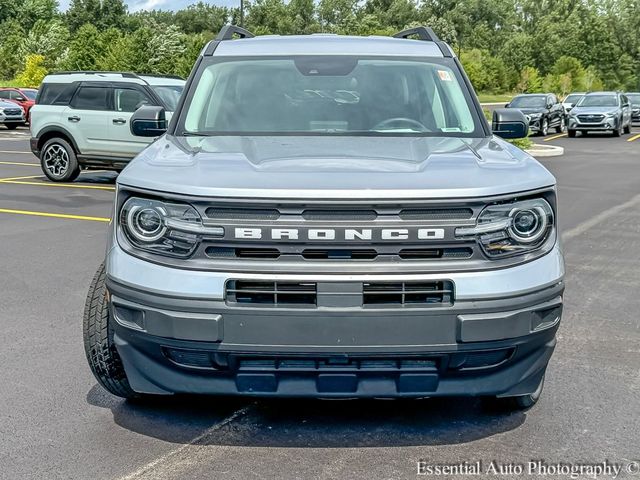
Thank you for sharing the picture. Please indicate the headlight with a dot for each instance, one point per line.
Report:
(512, 228)
(535, 115)
(1, 110)
(163, 227)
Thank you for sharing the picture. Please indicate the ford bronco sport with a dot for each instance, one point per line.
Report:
(81, 119)
(328, 216)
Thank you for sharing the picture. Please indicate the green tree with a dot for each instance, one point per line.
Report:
(46, 38)
(85, 50)
(33, 72)
(529, 81)
(10, 56)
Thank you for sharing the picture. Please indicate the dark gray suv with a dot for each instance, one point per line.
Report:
(329, 216)
(543, 110)
(601, 111)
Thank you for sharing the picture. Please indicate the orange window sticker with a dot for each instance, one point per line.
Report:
(444, 75)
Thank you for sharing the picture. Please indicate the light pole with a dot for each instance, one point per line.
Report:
(242, 13)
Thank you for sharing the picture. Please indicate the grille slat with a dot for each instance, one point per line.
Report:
(406, 293)
(272, 293)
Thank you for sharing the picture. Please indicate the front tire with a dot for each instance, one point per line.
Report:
(571, 133)
(616, 132)
(103, 358)
(544, 127)
(11, 126)
(58, 161)
(562, 127)
(627, 129)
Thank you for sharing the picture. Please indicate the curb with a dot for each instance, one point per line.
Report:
(538, 150)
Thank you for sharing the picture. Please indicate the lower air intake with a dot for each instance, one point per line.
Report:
(408, 293)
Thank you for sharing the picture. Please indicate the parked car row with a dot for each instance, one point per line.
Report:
(579, 112)
(15, 105)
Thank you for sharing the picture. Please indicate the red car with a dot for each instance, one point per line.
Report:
(25, 97)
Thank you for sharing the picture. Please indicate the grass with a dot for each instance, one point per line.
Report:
(495, 97)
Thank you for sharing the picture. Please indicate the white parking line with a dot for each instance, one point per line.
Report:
(161, 466)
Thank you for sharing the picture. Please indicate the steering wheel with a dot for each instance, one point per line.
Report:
(389, 122)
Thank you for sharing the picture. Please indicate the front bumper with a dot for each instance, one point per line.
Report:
(33, 144)
(176, 334)
(12, 119)
(605, 125)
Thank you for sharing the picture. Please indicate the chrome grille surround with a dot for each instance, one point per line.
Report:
(447, 253)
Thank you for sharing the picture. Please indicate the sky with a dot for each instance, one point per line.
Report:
(135, 5)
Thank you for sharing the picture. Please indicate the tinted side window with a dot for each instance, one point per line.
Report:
(91, 98)
(129, 99)
(55, 93)
(4, 93)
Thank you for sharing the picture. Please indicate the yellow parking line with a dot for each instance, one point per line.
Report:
(635, 137)
(55, 215)
(11, 179)
(63, 185)
(554, 137)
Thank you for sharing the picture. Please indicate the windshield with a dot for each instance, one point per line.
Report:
(598, 101)
(634, 98)
(573, 98)
(536, 101)
(169, 94)
(327, 95)
(30, 94)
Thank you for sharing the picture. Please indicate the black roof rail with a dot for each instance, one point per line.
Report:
(160, 75)
(94, 72)
(424, 33)
(228, 31)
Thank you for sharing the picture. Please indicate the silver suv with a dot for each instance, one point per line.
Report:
(601, 112)
(329, 216)
(11, 114)
(81, 119)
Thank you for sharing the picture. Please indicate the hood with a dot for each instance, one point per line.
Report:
(588, 110)
(334, 167)
(9, 104)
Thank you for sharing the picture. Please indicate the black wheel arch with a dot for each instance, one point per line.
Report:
(48, 133)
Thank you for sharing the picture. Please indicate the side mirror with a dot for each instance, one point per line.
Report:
(507, 105)
(21, 99)
(148, 121)
(572, 105)
(509, 123)
(549, 106)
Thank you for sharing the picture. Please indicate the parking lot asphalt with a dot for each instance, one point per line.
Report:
(57, 423)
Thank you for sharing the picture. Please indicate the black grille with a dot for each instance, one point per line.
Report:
(337, 254)
(591, 118)
(222, 213)
(436, 214)
(339, 215)
(408, 293)
(337, 363)
(12, 111)
(272, 293)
